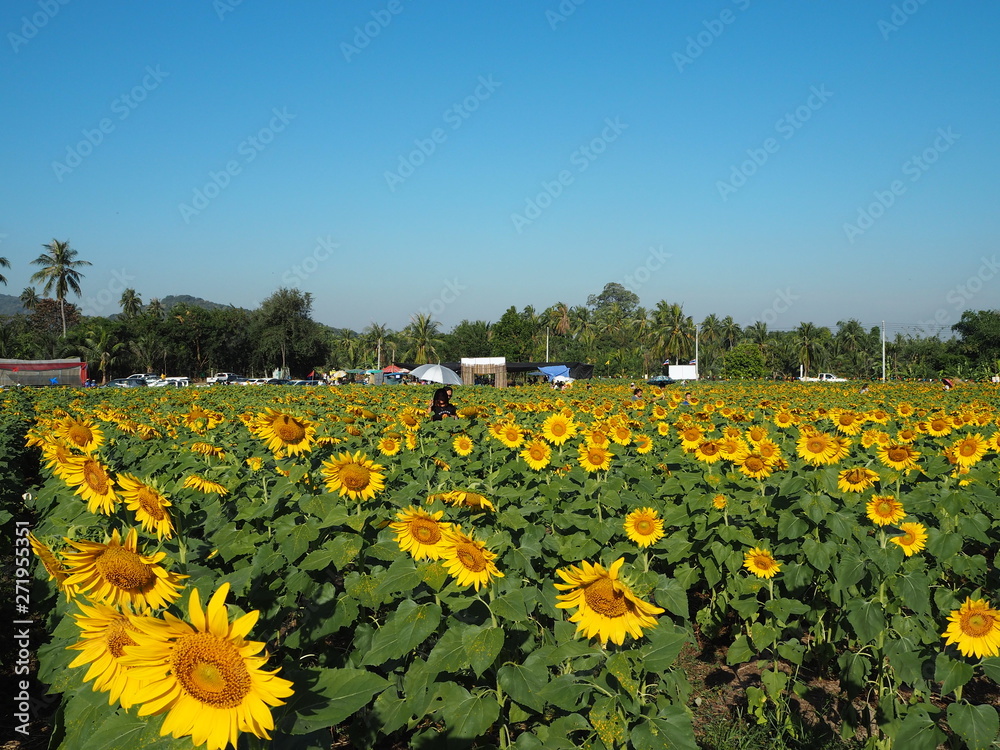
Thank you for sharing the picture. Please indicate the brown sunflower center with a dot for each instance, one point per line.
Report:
(595, 457)
(908, 538)
(355, 477)
(211, 670)
(762, 563)
(967, 448)
(117, 638)
(125, 570)
(884, 508)
(856, 476)
(95, 477)
(537, 452)
(938, 425)
(754, 464)
(425, 531)
(289, 429)
(603, 597)
(898, 454)
(976, 624)
(709, 448)
(471, 557)
(80, 435)
(558, 429)
(151, 503)
(644, 526)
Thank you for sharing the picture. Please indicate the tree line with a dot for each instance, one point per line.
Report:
(611, 331)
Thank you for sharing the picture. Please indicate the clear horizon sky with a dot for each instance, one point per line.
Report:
(784, 162)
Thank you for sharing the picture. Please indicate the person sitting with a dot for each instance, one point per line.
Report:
(441, 406)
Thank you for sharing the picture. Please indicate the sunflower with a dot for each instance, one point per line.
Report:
(207, 678)
(969, 450)
(53, 565)
(285, 432)
(558, 428)
(464, 498)
(885, 509)
(389, 446)
(755, 466)
(643, 443)
(354, 476)
(691, 437)
(974, 628)
(198, 482)
(732, 448)
(255, 463)
(149, 505)
(857, 479)
(468, 560)
(606, 606)
(663, 428)
(420, 533)
(898, 456)
(105, 632)
(756, 433)
(848, 422)
(644, 526)
(462, 445)
(784, 419)
(621, 434)
(594, 457)
(510, 435)
(817, 448)
(759, 562)
(92, 483)
(938, 426)
(207, 449)
(81, 434)
(537, 454)
(708, 452)
(913, 539)
(117, 574)
(720, 502)
(58, 456)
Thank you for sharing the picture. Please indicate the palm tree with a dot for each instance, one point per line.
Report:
(29, 298)
(131, 303)
(99, 347)
(731, 332)
(147, 348)
(4, 263)
(59, 271)
(376, 335)
(422, 335)
(559, 317)
(810, 342)
(155, 308)
(674, 331)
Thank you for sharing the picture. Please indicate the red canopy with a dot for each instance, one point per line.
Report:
(393, 368)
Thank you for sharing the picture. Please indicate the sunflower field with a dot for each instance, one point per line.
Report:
(288, 567)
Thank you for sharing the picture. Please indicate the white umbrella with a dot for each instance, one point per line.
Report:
(436, 374)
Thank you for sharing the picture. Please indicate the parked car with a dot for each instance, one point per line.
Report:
(224, 378)
(660, 380)
(254, 381)
(125, 383)
(307, 382)
(172, 382)
(824, 377)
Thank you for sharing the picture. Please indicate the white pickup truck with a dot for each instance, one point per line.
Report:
(824, 377)
(224, 378)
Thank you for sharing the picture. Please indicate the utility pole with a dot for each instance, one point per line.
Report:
(697, 360)
(546, 344)
(883, 351)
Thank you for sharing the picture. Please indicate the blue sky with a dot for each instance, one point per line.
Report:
(786, 162)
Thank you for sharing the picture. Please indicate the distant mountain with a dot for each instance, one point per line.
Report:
(10, 305)
(187, 299)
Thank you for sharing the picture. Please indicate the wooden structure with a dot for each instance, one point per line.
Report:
(495, 366)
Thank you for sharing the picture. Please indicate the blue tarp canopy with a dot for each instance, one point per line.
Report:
(554, 371)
